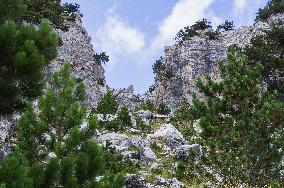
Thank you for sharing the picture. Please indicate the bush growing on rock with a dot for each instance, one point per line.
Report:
(102, 57)
(241, 125)
(189, 32)
(226, 26)
(54, 147)
(162, 70)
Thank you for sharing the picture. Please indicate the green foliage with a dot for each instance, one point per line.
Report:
(162, 70)
(55, 140)
(60, 114)
(34, 11)
(14, 173)
(102, 57)
(183, 119)
(116, 163)
(53, 10)
(272, 7)
(142, 125)
(268, 50)
(212, 35)
(24, 51)
(226, 26)
(189, 32)
(158, 66)
(148, 105)
(107, 104)
(124, 118)
(101, 82)
(12, 10)
(201, 25)
(112, 181)
(122, 121)
(163, 109)
(241, 125)
(112, 125)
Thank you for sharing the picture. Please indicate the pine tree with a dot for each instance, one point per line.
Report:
(268, 48)
(55, 137)
(24, 51)
(107, 104)
(124, 118)
(242, 125)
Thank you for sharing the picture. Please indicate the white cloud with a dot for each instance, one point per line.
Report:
(240, 5)
(119, 36)
(185, 12)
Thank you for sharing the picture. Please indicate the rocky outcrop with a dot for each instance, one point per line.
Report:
(126, 98)
(77, 49)
(196, 57)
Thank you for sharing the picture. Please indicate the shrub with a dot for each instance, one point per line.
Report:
(142, 125)
(189, 32)
(107, 104)
(158, 66)
(163, 109)
(124, 118)
(226, 26)
(52, 10)
(148, 105)
(102, 57)
(101, 82)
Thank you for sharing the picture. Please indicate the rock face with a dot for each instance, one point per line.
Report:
(193, 58)
(196, 57)
(126, 98)
(76, 48)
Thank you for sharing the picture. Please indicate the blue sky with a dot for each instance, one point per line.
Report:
(134, 32)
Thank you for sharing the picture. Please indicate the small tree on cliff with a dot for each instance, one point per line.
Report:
(55, 138)
(242, 125)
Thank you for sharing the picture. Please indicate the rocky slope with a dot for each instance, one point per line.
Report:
(153, 151)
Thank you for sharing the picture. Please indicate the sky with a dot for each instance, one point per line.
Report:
(134, 32)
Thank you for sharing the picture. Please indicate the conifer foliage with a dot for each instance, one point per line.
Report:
(55, 138)
(53, 10)
(241, 124)
(24, 51)
(107, 104)
(268, 48)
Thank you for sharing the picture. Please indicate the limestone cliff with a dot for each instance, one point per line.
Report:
(76, 47)
(196, 57)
